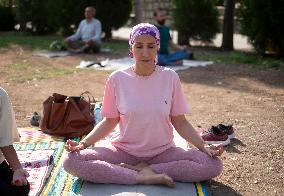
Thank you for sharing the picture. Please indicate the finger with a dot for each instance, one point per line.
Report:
(70, 142)
(208, 152)
(73, 143)
(25, 183)
(26, 173)
(74, 148)
(17, 183)
(67, 147)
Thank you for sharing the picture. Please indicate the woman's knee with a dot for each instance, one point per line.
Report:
(69, 161)
(214, 167)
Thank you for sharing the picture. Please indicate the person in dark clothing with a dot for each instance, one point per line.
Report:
(165, 57)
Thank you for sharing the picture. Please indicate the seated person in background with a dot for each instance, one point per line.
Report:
(164, 56)
(88, 35)
(13, 178)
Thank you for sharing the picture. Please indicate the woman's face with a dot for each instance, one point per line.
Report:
(145, 49)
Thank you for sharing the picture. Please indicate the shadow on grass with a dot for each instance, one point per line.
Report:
(232, 147)
(219, 189)
(231, 70)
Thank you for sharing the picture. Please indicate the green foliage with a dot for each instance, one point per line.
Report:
(198, 19)
(38, 17)
(112, 13)
(218, 2)
(7, 19)
(262, 21)
(71, 13)
(57, 46)
(47, 16)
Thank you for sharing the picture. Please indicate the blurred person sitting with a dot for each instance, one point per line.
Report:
(88, 35)
(164, 55)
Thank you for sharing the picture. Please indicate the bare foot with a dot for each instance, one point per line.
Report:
(148, 176)
(137, 167)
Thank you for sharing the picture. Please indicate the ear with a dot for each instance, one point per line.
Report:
(130, 52)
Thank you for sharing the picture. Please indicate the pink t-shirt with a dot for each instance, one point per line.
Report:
(144, 105)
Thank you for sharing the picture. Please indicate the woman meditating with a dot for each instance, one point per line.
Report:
(147, 102)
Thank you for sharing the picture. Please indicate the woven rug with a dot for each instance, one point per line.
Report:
(33, 135)
(56, 180)
(37, 154)
(37, 163)
(62, 183)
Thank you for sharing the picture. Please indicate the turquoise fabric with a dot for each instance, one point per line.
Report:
(165, 38)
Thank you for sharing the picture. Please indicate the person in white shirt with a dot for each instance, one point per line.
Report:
(13, 178)
(88, 35)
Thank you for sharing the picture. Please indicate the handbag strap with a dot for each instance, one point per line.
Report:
(88, 94)
(52, 100)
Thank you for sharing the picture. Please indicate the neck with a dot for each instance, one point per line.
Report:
(143, 70)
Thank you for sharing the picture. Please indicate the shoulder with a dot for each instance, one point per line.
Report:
(96, 21)
(83, 22)
(167, 72)
(121, 73)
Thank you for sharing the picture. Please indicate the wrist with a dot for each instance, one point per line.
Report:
(18, 169)
(85, 144)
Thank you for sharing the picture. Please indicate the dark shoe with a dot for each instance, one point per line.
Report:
(228, 129)
(215, 136)
(35, 119)
(190, 56)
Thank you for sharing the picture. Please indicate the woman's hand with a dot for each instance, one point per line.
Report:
(72, 146)
(20, 177)
(213, 150)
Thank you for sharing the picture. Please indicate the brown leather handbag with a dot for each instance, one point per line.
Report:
(67, 116)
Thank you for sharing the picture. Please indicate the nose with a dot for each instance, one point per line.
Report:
(145, 52)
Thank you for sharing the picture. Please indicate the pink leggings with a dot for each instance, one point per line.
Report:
(100, 165)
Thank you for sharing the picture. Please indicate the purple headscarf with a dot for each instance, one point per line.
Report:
(144, 29)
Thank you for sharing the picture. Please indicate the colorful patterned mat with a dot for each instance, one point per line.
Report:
(55, 180)
(38, 159)
(61, 183)
(37, 164)
(201, 189)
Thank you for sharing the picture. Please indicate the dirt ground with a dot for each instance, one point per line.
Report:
(249, 97)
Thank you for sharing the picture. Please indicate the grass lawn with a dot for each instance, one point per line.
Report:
(121, 46)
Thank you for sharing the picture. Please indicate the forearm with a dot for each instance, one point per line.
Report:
(176, 46)
(186, 131)
(11, 157)
(100, 131)
(190, 134)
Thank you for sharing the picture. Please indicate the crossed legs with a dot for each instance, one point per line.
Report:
(111, 165)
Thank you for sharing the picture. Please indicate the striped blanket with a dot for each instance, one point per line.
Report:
(62, 183)
(38, 150)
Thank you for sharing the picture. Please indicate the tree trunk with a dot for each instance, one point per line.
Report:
(138, 11)
(108, 34)
(228, 26)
